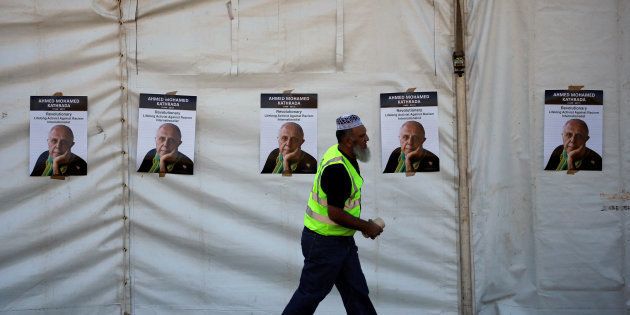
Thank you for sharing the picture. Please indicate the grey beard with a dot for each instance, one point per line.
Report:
(362, 155)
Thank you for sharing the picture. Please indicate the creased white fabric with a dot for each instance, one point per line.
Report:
(541, 243)
(62, 241)
(226, 240)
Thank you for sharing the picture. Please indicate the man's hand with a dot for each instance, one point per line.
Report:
(61, 160)
(165, 159)
(290, 157)
(411, 156)
(372, 230)
(415, 154)
(575, 155)
(368, 228)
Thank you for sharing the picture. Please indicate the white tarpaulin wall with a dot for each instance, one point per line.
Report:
(541, 243)
(62, 241)
(226, 240)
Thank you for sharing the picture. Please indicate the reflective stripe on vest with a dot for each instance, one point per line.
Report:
(347, 206)
(319, 217)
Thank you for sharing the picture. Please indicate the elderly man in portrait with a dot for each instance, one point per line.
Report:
(411, 156)
(289, 156)
(165, 158)
(573, 154)
(59, 159)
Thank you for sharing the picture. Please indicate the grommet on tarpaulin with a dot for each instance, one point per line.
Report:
(59, 177)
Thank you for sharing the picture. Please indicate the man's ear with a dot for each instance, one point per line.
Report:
(587, 137)
(345, 140)
(72, 145)
(349, 141)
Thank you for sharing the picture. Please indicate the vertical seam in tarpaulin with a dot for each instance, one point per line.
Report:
(282, 38)
(434, 39)
(127, 8)
(339, 37)
(620, 117)
(232, 7)
(533, 91)
(135, 50)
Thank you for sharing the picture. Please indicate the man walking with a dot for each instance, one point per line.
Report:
(331, 219)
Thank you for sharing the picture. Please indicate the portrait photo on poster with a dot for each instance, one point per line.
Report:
(58, 136)
(409, 132)
(573, 131)
(166, 134)
(288, 134)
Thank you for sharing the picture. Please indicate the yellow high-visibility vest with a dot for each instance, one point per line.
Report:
(316, 216)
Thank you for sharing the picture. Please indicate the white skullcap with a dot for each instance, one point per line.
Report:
(348, 121)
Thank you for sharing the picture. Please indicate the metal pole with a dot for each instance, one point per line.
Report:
(465, 256)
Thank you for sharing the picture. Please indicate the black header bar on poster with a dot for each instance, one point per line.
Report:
(288, 100)
(163, 101)
(568, 97)
(59, 103)
(408, 99)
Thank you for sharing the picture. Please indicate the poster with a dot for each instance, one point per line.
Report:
(288, 134)
(58, 136)
(573, 130)
(166, 134)
(409, 132)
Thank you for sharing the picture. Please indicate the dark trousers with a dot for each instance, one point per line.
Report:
(328, 261)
